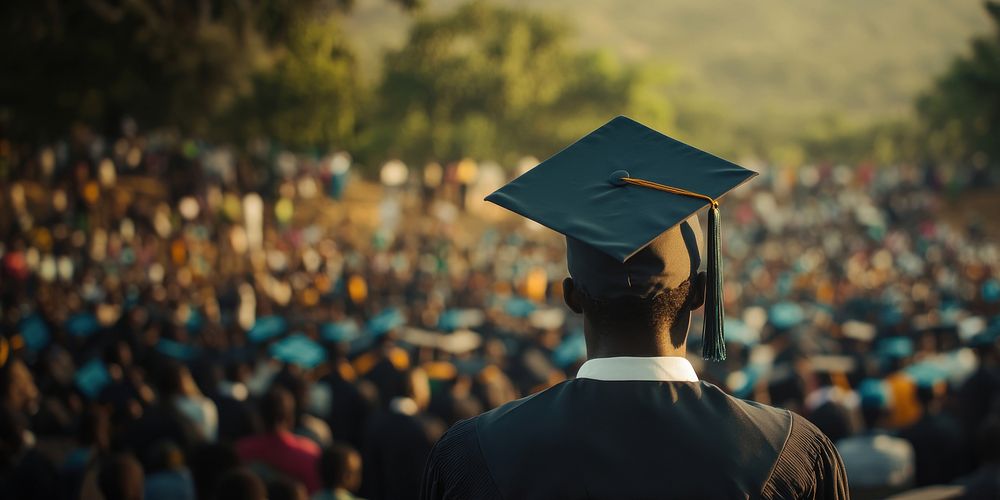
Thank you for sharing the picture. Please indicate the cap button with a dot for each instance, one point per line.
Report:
(616, 177)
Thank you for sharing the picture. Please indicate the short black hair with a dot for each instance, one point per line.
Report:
(277, 408)
(333, 464)
(632, 314)
(240, 483)
(120, 477)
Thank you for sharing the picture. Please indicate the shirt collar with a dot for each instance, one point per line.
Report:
(655, 368)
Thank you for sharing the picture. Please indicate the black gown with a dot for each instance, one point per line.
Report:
(637, 439)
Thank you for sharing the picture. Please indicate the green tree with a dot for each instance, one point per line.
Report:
(181, 63)
(492, 82)
(962, 110)
(309, 99)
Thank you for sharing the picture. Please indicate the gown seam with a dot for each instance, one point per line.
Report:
(770, 474)
(486, 463)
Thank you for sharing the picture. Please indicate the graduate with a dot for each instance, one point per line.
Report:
(636, 422)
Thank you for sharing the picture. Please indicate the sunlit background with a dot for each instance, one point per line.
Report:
(201, 200)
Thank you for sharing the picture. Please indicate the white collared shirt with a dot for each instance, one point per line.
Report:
(654, 368)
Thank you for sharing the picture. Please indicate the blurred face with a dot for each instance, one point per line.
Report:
(352, 473)
(22, 394)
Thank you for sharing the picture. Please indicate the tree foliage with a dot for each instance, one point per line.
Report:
(179, 63)
(491, 82)
(309, 99)
(962, 110)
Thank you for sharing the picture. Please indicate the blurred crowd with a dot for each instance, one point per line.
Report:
(182, 320)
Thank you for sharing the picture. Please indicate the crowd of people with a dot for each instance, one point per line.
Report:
(181, 320)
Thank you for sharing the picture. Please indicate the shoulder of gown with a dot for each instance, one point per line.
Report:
(808, 466)
(456, 467)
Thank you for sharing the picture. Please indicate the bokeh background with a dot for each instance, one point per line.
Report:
(204, 204)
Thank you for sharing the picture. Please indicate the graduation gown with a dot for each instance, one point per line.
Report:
(589, 438)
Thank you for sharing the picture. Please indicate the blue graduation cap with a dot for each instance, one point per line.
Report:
(626, 198)
(267, 328)
(742, 381)
(518, 307)
(739, 332)
(986, 337)
(35, 333)
(991, 290)
(894, 347)
(385, 321)
(83, 324)
(340, 331)
(92, 378)
(874, 394)
(784, 315)
(925, 374)
(194, 322)
(176, 350)
(455, 319)
(572, 349)
(297, 349)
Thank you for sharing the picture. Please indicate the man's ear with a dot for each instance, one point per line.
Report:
(696, 294)
(570, 296)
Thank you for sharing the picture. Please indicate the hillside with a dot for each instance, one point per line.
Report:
(763, 60)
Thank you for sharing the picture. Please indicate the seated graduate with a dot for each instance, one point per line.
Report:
(636, 422)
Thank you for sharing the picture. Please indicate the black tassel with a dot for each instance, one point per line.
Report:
(713, 337)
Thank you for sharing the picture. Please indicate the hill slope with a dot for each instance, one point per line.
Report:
(766, 59)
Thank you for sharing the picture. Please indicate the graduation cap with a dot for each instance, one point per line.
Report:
(518, 307)
(385, 321)
(894, 347)
(176, 350)
(874, 394)
(626, 197)
(92, 378)
(266, 328)
(340, 331)
(82, 324)
(925, 375)
(297, 349)
(741, 333)
(35, 332)
(572, 349)
(455, 319)
(785, 315)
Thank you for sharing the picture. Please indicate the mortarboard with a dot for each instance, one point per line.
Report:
(266, 328)
(92, 377)
(573, 348)
(455, 319)
(925, 374)
(340, 331)
(785, 315)
(625, 196)
(176, 350)
(35, 332)
(519, 308)
(894, 347)
(874, 394)
(385, 321)
(82, 324)
(297, 349)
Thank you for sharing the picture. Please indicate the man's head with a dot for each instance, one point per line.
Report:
(613, 193)
(643, 304)
(120, 478)
(340, 467)
(277, 409)
(876, 401)
(240, 483)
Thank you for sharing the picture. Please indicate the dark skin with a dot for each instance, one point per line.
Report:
(607, 344)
